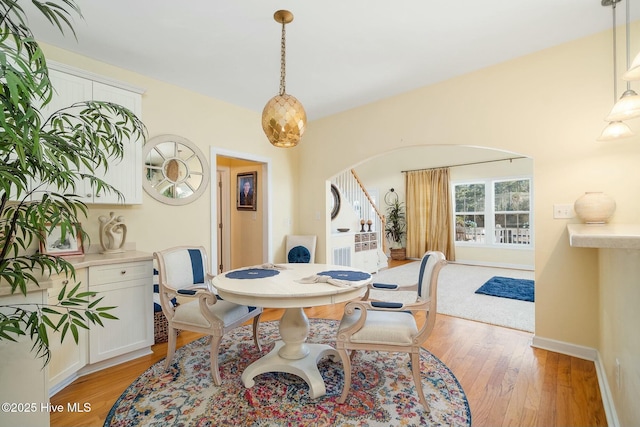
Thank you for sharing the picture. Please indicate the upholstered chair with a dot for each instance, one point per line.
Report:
(389, 326)
(183, 271)
(300, 248)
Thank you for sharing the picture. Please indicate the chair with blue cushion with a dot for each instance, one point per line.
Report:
(183, 271)
(391, 326)
(301, 249)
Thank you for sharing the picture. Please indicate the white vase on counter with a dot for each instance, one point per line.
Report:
(595, 207)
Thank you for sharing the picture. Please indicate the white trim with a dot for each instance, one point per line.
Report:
(94, 77)
(586, 353)
(526, 267)
(267, 249)
(569, 349)
(605, 392)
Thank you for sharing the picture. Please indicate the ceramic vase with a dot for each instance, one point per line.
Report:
(595, 207)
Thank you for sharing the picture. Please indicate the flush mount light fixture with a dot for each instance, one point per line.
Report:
(283, 118)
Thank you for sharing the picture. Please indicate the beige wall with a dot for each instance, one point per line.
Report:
(384, 172)
(619, 338)
(548, 106)
(207, 123)
(535, 106)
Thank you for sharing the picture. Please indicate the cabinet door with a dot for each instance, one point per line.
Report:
(67, 358)
(129, 288)
(125, 174)
(68, 89)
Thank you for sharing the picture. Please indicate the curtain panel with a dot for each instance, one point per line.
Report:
(429, 213)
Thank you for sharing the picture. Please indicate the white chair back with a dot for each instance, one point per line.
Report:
(300, 248)
(184, 268)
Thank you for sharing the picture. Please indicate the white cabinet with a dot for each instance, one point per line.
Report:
(129, 287)
(366, 251)
(24, 381)
(124, 281)
(124, 174)
(67, 357)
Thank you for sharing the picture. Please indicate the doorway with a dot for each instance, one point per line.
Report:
(239, 236)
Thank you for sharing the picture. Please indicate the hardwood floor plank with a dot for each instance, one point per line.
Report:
(507, 382)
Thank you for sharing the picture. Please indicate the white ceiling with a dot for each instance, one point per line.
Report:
(340, 53)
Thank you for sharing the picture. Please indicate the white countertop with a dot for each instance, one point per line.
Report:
(612, 236)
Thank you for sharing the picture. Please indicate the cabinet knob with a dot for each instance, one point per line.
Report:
(123, 272)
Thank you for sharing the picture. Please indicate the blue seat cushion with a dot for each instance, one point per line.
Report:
(299, 254)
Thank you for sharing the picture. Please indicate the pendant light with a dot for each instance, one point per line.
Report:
(616, 129)
(283, 118)
(628, 106)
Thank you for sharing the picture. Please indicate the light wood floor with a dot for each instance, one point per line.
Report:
(507, 382)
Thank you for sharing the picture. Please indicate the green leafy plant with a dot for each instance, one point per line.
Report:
(395, 228)
(38, 153)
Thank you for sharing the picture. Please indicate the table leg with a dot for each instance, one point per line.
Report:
(293, 355)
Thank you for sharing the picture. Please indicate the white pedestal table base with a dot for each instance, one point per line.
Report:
(293, 355)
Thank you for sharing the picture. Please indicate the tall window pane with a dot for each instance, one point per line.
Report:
(470, 207)
(511, 211)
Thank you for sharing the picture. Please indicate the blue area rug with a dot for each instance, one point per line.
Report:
(507, 287)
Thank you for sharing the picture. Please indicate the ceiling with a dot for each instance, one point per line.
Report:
(340, 54)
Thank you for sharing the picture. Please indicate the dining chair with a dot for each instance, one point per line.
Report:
(183, 272)
(392, 326)
(300, 248)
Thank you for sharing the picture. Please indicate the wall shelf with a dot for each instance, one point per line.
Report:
(613, 236)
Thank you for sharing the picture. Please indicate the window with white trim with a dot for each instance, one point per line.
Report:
(493, 212)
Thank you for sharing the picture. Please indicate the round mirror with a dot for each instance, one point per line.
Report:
(176, 171)
(335, 201)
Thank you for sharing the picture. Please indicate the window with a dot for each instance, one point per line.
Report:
(493, 212)
(470, 207)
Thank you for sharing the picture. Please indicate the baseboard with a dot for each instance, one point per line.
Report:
(95, 367)
(605, 392)
(586, 353)
(495, 265)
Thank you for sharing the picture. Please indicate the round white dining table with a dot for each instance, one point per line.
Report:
(282, 286)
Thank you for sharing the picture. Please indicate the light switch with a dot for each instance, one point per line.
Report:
(563, 211)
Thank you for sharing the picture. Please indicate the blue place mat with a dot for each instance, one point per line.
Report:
(346, 275)
(252, 273)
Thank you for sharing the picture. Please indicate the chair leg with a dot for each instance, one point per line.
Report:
(172, 335)
(256, 338)
(215, 372)
(415, 367)
(346, 366)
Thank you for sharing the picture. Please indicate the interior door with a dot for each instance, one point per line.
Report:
(223, 220)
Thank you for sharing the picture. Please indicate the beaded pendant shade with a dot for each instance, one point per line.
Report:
(283, 117)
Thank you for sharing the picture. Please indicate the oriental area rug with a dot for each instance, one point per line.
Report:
(382, 392)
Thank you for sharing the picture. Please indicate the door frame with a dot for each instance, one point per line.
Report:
(265, 191)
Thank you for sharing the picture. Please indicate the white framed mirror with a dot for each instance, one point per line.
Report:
(176, 172)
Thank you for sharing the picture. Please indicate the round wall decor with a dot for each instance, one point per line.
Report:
(176, 172)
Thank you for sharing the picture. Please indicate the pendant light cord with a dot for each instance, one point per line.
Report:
(615, 67)
(628, 37)
(283, 49)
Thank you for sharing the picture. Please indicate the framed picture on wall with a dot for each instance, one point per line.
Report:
(63, 245)
(247, 191)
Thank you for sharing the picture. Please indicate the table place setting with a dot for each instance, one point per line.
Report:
(341, 278)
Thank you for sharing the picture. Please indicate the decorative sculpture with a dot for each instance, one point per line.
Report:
(113, 234)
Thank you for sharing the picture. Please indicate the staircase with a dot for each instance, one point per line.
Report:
(356, 196)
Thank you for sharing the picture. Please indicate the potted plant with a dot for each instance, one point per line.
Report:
(54, 152)
(395, 229)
